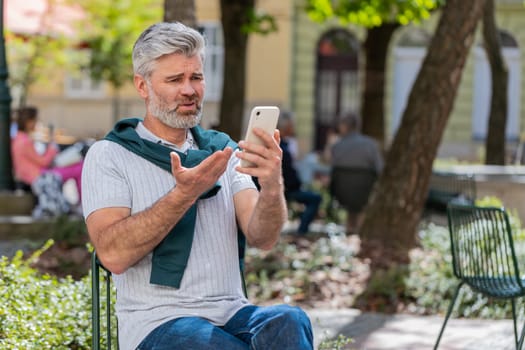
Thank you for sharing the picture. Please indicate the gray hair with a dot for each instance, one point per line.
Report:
(164, 39)
(351, 120)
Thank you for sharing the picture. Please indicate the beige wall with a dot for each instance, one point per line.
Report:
(268, 60)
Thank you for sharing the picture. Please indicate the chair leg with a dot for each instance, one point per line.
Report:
(95, 304)
(519, 342)
(522, 337)
(449, 312)
(108, 310)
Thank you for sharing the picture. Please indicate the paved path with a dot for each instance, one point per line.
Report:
(372, 331)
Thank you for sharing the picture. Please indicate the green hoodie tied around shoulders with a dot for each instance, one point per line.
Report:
(170, 257)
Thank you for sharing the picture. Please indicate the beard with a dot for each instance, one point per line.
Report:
(160, 109)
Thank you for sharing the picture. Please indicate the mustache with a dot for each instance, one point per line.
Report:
(192, 99)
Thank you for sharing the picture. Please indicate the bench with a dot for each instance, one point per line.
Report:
(445, 186)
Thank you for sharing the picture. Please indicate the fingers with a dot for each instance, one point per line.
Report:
(194, 181)
(216, 163)
(258, 154)
(269, 140)
(270, 143)
(217, 160)
(277, 136)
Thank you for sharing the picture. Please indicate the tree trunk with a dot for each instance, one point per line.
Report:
(497, 121)
(180, 11)
(394, 210)
(376, 50)
(235, 14)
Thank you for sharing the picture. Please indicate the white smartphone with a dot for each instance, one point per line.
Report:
(264, 117)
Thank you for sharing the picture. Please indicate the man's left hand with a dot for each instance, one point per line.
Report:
(267, 159)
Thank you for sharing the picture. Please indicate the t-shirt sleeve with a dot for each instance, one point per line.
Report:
(239, 181)
(104, 184)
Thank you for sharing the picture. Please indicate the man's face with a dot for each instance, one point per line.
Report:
(175, 90)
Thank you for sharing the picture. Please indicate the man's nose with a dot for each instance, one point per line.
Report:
(187, 88)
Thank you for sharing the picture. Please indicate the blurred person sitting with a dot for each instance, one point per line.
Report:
(293, 186)
(356, 162)
(37, 169)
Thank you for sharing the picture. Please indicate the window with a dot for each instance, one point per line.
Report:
(336, 81)
(214, 60)
(80, 85)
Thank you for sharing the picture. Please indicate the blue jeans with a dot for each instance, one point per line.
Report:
(311, 201)
(279, 327)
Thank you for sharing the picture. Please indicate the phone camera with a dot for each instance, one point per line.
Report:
(258, 112)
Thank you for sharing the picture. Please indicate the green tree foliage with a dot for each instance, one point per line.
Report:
(372, 13)
(110, 29)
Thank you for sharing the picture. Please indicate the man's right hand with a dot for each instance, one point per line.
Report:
(192, 182)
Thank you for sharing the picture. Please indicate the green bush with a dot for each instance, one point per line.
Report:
(42, 311)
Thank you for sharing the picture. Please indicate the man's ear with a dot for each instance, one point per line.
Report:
(141, 85)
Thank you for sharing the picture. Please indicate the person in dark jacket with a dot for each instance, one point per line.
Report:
(293, 187)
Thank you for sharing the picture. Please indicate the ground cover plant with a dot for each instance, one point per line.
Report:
(42, 311)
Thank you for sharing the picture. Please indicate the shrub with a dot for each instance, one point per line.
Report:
(42, 311)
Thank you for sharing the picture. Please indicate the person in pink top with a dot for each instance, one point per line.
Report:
(28, 164)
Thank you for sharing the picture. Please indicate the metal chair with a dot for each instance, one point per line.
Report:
(484, 258)
(96, 268)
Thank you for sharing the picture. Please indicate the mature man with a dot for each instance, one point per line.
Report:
(168, 206)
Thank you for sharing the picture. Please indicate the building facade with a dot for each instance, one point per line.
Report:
(315, 70)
